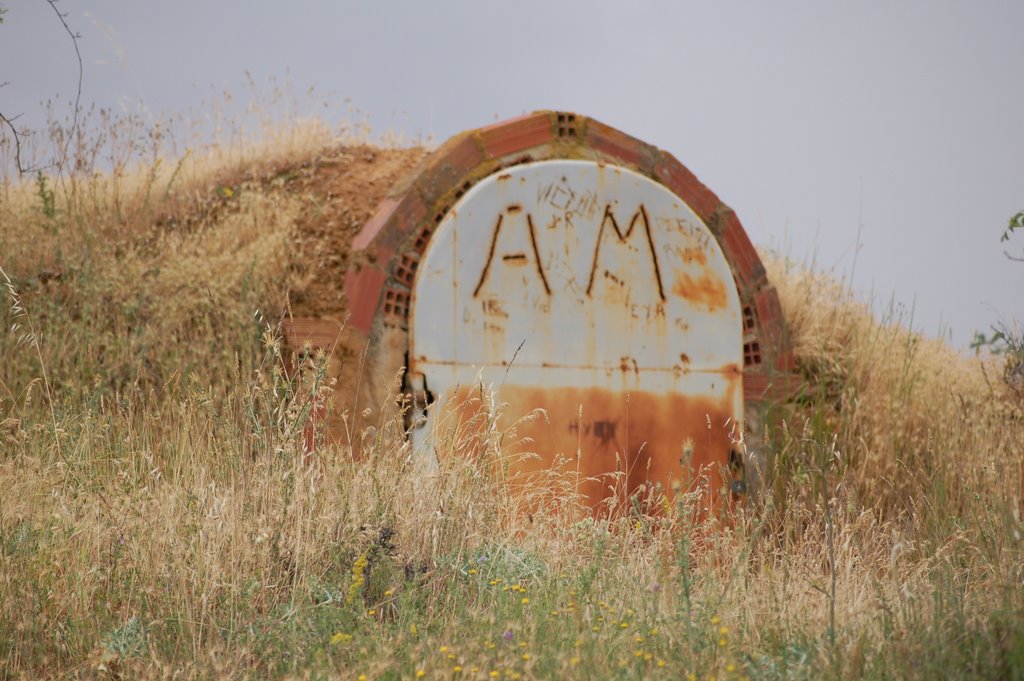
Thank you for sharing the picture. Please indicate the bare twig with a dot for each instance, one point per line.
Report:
(78, 94)
(9, 120)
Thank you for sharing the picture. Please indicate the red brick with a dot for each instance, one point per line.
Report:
(732, 246)
(395, 220)
(769, 310)
(740, 252)
(686, 186)
(386, 232)
(773, 328)
(785, 361)
(375, 224)
(758, 387)
(363, 289)
(516, 134)
(448, 166)
(404, 221)
(619, 146)
(754, 386)
(320, 333)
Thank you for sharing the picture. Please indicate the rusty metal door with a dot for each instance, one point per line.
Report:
(620, 312)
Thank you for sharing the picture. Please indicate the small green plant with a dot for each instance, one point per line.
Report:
(1016, 222)
(128, 640)
(996, 342)
(1009, 342)
(47, 199)
(1004, 340)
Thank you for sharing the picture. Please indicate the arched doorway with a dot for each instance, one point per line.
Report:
(596, 294)
(402, 237)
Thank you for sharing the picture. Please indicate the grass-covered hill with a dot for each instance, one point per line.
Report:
(158, 520)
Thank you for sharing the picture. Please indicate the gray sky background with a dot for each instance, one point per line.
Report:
(903, 122)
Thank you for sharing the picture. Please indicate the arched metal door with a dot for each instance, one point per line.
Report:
(620, 312)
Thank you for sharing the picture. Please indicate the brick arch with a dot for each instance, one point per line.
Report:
(388, 248)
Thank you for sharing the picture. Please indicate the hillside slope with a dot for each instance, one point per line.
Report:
(158, 517)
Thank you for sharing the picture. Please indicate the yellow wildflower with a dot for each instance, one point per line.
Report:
(358, 577)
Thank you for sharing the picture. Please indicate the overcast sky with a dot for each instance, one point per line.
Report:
(900, 122)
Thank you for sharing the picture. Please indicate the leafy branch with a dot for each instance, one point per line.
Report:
(1016, 222)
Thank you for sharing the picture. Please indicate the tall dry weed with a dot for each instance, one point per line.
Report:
(160, 516)
(909, 411)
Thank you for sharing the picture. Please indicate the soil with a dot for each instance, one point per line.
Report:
(340, 188)
(344, 185)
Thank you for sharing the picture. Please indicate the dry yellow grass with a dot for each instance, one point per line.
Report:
(903, 405)
(157, 518)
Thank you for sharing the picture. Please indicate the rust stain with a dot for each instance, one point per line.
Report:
(607, 446)
(707, 290)
(640, 217)
(536, 254)
(490, 257)
(693, 254)
(513, 258)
